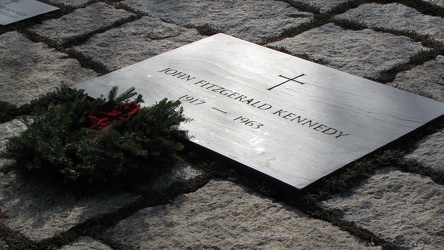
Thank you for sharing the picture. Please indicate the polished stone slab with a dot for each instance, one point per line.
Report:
(291, 119)
(12, 11)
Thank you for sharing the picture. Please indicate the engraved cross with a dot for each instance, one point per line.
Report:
(288, 80)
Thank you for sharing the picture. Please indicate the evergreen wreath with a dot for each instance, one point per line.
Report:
(90, 142)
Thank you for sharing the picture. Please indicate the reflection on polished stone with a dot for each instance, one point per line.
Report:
(12, 11)
(291, 119)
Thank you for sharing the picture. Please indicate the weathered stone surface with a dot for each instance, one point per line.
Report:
(29, 70)
(252, 69)
(5, 163)
(40, 212)
(180, 172)
(16, 11)
(86, 243)
(436, 2)
(228, 216)
(136, 41)
(80, 22)
(72, 3)
(3, 245)
(10, 129)
(400, 207)
(396, 16)
(403, 208)
(430, 151)
(323, 6)
(363, 52)
(421, 81)
(247, 19)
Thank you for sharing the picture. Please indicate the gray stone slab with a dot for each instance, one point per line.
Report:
(436, 2)
(86, 243)
(426, 79)
(40, 212)
(80, 22)
(10, 129)
(398, 17)
(247, 19)
(29, 70)
(12, 11)
(3, 245)
(430, 151)
(322, 5)
(289, 118)
(5, 163)
(136, 41)
(223, 215)
(403, 208)
(71, 3)
(364, 53)
(179, 173)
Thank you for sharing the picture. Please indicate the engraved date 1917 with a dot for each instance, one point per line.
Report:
(190, 99)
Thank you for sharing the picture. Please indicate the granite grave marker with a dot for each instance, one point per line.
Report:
(291, 119)
(12, 11)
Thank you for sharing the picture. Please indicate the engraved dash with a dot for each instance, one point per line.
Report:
(220, 110)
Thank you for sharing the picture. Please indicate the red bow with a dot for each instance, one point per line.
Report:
(104, 115)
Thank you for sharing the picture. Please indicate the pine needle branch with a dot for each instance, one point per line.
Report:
(113, 93)
(125, 96)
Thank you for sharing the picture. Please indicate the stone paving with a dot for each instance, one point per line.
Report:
(393, 200)
(360, 52)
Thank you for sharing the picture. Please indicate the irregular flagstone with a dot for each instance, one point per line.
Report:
(396, 16)
(246, 19)
(40, 212)
(180, 172)
(7, 130)
(403, 208)
(136, 41)
(322, 5)
(3, 245)
(227, 216)
(85, 243)
(10, 129)
(420, 81)
(72, 3)
(436, 2)
(363, 53)
(29, 70)
(80, 22)
(430, 151)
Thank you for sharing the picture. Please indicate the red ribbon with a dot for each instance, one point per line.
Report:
(104, 115)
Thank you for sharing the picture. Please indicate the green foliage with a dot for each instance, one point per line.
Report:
(59, 144)
(7, 111)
